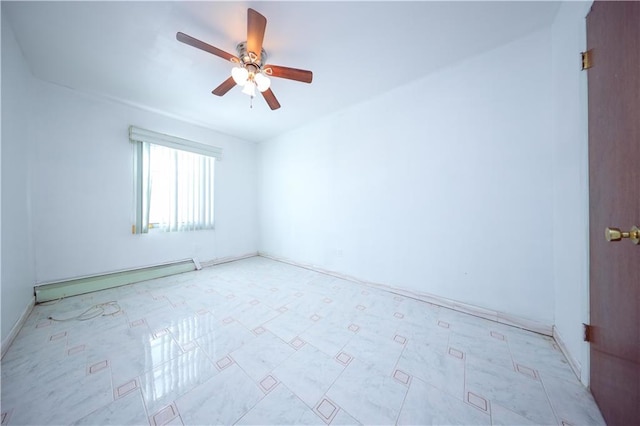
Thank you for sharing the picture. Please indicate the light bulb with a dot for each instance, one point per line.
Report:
(262, 82)
(240, 75)
(249, 89)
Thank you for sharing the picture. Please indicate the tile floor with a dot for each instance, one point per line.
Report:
(262, 342)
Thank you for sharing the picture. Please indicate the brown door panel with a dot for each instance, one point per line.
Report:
(613, 37)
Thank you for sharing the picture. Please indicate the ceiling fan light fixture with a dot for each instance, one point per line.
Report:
(240, 75)
(249, 88)
(262, 82)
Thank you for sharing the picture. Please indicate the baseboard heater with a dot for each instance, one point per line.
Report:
(74, 287)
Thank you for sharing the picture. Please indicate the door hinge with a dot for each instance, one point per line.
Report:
(587, 59)
(588, 330)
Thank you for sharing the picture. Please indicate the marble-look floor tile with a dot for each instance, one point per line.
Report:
(192, 327)
(305, 297)
(259, 341)
(383, 325)
(465, 324)
(161, 349)
(427, 405)
(572, 402)
(165, 383)
(223, 399)
(262, 354)
(482, 346)
(368, 394)
(541, 355)
(442, 370)
(514, 391)
(256, 315)
(380, 351)
(128, 410)
(61, 402)
(501, 416)
(308, 373)
(417, 312)
(225, 340)
(288, 325)
(280, 407)
(327, 337)
(25, 374)
(343, 419)
(167, 416)
(437, 338)
(42, 378)
(129, 355)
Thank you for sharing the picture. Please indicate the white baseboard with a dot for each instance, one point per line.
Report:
(221, 260)
(6, 343)
(573, 362)
(497, 316)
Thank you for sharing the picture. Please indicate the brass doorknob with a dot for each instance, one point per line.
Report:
(615, 234)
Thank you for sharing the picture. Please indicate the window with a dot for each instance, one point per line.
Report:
(174, 182)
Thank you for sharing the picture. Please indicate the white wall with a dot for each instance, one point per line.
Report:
(18, 273)
(571, 179)
(443, 186)
(83, 183)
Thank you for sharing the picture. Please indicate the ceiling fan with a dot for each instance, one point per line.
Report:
(251, 71)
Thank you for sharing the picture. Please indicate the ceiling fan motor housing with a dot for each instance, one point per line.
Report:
(249, 59)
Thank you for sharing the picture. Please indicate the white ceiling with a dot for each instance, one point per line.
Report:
(356, 50)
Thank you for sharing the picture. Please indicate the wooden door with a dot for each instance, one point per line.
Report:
(613, 36)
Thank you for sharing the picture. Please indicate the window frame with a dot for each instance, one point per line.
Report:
(138, 137)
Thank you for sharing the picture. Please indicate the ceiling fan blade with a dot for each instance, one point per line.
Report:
(256, 26)
(271, 99)
(187, 39)
(226, 85)
(290, 73)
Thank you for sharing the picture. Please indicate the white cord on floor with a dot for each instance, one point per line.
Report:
(95, 311)
(51, 302)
